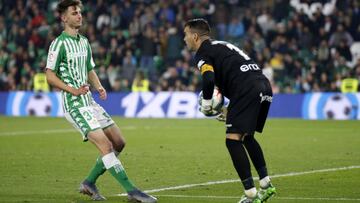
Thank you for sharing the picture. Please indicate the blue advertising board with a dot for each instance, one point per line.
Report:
(183, 105)
(33, 104)
(318, 106)
(286, 106)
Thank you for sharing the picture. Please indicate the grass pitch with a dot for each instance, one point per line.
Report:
(44, 160)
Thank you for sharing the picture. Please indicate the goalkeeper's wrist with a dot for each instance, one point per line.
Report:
(206, 102)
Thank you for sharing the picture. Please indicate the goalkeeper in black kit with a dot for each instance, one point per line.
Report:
(241, 80)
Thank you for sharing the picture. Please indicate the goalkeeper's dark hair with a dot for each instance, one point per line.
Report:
(199, 26)
(65, 4)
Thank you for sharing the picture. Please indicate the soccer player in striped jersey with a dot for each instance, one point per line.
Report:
(70, 67)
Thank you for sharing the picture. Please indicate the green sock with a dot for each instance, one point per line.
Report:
(120, 175)
(96, 171)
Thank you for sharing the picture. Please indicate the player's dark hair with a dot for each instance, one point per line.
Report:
(199, 25)
(65, 4)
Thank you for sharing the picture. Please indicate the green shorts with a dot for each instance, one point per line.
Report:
(89, 118)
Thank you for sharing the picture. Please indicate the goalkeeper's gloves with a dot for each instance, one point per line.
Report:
(206, 108)
(222, 116)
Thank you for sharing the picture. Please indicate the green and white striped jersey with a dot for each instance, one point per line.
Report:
(71, 59)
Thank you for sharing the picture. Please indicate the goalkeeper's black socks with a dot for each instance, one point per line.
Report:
(256, 155)
(241, 162)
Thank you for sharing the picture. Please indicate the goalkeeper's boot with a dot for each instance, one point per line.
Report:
(245, 199)
(90, 189)
(139, 196)
(266, 193)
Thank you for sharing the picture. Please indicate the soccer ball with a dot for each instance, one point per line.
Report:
(338, 107)
(217, 99)
(39, 105)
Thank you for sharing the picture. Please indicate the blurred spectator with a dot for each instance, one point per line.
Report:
(344, 50)
(266, 21)
(171, 76)
(148, 47)
(104, 78)
(221, 18)
(235, 28)
(40, 83)
(340, 35)
(128, 67)
(323, 52)
(349, 85)
(3, 79)
(121, 85)
(174, 46)
(140, 83)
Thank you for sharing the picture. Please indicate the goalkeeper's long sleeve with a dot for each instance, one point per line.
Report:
(208, 84)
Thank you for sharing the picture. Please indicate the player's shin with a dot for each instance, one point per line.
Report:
(256, 155)
(98, 169)
(241, 164)
(113, 165)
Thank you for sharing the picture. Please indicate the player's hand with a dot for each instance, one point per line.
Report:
(102, 92)
(222, 116)
(80, 91)
(206, 108)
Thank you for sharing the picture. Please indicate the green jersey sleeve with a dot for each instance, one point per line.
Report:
(55, 55)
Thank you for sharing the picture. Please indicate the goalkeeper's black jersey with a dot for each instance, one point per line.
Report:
(234, 70)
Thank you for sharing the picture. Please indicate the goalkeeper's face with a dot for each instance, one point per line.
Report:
(72, 17)
(189, 39)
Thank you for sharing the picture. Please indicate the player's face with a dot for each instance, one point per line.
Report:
(189, 39)
(72, 17)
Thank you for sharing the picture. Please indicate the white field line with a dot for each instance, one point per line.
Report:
(54, 131)
(37, 132)
(319, 198)
(284, 198)
(11, 133)
(237, 180)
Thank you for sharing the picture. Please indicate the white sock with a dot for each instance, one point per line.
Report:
(264, 182)
(110, 160)
(251, 192)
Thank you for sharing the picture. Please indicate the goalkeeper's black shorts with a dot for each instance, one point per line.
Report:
(248, 109)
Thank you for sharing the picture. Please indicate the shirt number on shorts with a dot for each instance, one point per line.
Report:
(87, 116)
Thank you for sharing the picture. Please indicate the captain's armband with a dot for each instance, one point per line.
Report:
(206, 67)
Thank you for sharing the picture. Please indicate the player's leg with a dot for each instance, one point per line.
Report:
(253, 148)
(114, 166)
(239, 121)
(114, 134)
(118, 142)
(241, 164)
(257, 157)
(84, 121)
(111, 133)
(109, 159)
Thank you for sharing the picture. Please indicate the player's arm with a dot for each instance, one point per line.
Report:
(53, 80)
(93, 79)
(208, 81)
(208, 84)
(95, 82)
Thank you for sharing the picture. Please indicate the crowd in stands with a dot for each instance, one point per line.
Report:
(302, 45)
